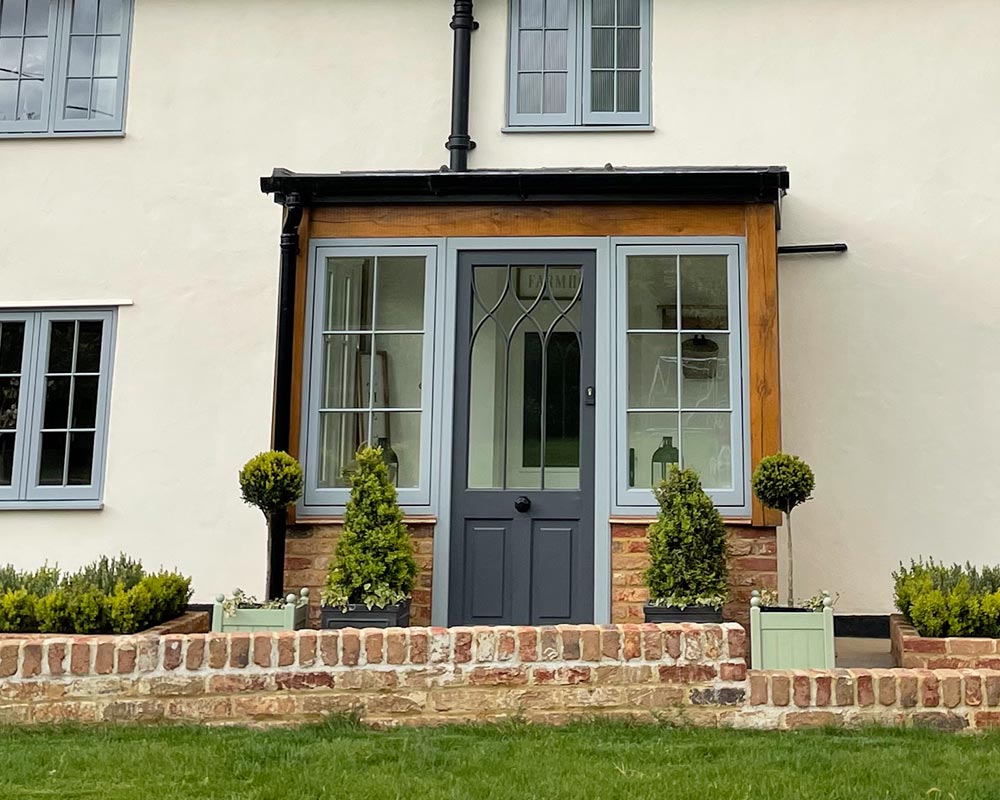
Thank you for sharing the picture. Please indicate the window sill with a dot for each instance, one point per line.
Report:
(11, 135)
(578, 129)
(51, 505)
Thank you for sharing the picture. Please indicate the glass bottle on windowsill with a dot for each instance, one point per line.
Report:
(390, 458)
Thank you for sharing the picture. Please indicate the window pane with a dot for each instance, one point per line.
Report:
(487, 404)
(111, 18)
(628, 48)
(401, 443)
(56, 414)
(84, 16)
(529, 93)
(628, 12)
(556, 13)
(562, 403)
(602, 48)
(532, 13)
(8, 100)
(38, 18)
(77, 99)
(400, 293)
(105, 98)
(343, 383)
(29, 101)
(53, 459)
(555, 93)
(10, 59)
(10, 389)
(340, 435)
(652, 292)
(705, 371)
(556, 49)
(33, 58)
(652, 370)
(602, 91)
(85, 401)
(12, 17)
(704, 292)
(398, 370)
(61, 338)
(604, 12)
(530, 50)
(81, 56)
(11, 347)
(628, 91)
(651, 435)
(6, 459)
(707, 448)
(88, 348)
(349, 293)
(108, 52)
(81, 459)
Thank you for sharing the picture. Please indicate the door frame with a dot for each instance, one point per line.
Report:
(603, 431)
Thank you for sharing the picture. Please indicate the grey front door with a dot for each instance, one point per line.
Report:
(522, 533)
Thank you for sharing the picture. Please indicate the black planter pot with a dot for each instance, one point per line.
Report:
(360, 616)
(703, 614)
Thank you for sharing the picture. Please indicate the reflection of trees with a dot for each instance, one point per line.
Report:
(9, 391)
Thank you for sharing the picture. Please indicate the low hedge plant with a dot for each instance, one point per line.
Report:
(111, 595)
(940, 600)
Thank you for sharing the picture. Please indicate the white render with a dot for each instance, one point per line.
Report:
(884, 112)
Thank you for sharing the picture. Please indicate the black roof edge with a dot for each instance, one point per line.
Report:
(611, 184)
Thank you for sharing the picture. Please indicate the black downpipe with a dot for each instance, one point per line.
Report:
(807, 249)
(459, 143)
(277, 523)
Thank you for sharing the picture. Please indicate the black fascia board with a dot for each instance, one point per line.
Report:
(615, 185)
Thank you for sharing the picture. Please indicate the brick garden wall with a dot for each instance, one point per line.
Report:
(309, 549)
(753, 564)
(910, 649)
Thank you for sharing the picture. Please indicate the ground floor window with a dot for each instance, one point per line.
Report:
(680, 315)
(370, 365)
(54, 388)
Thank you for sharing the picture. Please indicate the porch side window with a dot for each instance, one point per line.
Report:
(681, 369)
(54, 389)
(370, 368)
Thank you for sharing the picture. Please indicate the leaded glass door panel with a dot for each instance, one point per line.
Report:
(522, 518)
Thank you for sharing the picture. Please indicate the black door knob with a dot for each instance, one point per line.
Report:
(522, 504)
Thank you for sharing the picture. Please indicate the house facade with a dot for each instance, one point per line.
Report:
(532, 332)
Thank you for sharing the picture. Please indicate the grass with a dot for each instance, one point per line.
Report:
(593, 760)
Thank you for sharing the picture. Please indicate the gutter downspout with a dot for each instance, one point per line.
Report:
(459, 143)
(277, 524)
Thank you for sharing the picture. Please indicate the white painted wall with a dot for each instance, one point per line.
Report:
(884, 111)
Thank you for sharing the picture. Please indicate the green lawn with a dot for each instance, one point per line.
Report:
(596, 760)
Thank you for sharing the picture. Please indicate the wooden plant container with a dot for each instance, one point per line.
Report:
(290, 617)
(791, 638)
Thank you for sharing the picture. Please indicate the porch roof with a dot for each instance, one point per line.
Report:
(576, 185)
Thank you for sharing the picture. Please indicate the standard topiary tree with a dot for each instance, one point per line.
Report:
(783, 481)
(687, 545)
(374, 563)
(272, 481)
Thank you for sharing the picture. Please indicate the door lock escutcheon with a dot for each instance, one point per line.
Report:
(588, 396)
(522, 504)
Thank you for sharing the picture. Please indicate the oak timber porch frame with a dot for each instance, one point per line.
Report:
(668, 203)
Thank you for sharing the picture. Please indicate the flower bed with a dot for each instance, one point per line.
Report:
(910, 649)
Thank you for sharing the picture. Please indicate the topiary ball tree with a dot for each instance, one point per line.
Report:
(687, 545)
(374, 563)
(784, 481)
(272, 481)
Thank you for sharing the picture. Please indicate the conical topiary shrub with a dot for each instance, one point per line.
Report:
(374, 563)
(687, 546)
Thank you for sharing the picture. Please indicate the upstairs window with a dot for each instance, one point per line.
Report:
(579, 63)
(63, 65)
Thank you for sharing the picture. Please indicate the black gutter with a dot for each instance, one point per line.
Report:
(281, 414)
(459, 143)
(609, 185)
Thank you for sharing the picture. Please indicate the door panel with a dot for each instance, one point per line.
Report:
(522, 499)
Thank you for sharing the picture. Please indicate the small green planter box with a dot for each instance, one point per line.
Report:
(799, 639)
(291, 617)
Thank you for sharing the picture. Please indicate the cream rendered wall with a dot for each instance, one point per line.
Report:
(884, 111)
